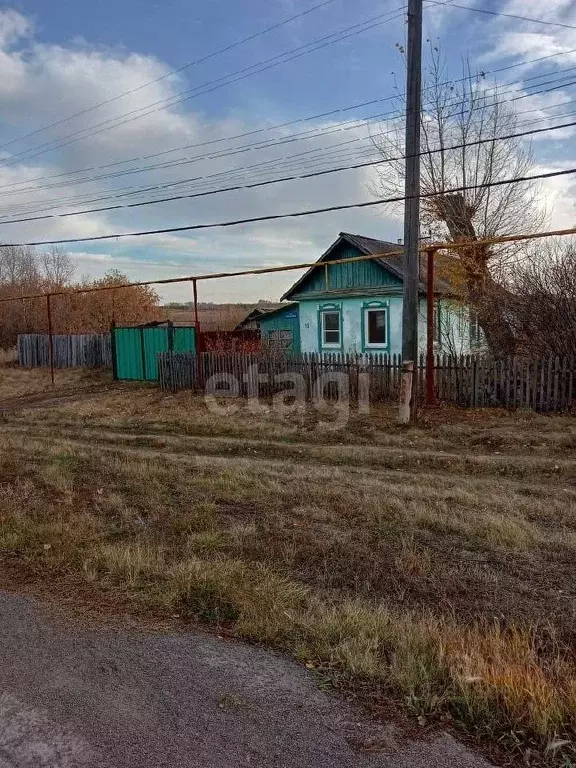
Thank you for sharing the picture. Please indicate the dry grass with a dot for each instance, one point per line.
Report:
(21, 382)
(434, 563)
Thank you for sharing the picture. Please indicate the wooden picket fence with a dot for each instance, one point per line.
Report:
(541, 384)
(90, 350)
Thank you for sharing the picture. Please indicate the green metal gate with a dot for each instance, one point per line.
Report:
(135, 350)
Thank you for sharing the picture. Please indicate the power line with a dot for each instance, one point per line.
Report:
(243, 73)
(284, 124)
(294, 177)
(292, 215)
(202, 182)
(274, 127)
(217, 83)
(270, 165)
(292, 171)
(506, 15)
(177, 71)
(305, 135)
(234, 172)
(437, 246)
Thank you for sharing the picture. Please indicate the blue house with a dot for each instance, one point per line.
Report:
(357, 307)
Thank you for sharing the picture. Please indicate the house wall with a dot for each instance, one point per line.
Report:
(282, 320)
(346, 277)
(454, 325)
(351, 287)
(352, 309)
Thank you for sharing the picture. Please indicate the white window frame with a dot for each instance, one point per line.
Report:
(380, 344)
(331, 344)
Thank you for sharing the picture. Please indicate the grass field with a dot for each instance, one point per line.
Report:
(18, 383)
(433, 564)
(223, 318)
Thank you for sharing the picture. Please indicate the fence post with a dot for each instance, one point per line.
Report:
(431, 253)
(549, 383)
(113, 350)
(50, 337)
(406, 391)
(563, 373)
(556, 377)
(570, 381)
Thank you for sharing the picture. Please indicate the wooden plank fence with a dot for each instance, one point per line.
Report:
(90, 350)
(540, 384)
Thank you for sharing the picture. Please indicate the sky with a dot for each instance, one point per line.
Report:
(62, 58)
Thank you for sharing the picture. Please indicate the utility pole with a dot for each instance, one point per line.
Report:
(408, 393)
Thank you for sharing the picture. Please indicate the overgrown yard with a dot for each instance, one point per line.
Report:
(16, 382)
(431, 564)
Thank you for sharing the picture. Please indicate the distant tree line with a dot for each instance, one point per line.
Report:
(25, 271)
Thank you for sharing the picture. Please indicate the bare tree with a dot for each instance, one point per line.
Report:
(18, 266)
(453, 327)
(456, 116)
(57, 266)
(541, 304)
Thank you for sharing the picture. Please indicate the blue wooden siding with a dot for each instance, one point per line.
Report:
(356, 277)
(283, 320)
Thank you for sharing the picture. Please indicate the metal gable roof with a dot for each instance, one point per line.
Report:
(370, 246)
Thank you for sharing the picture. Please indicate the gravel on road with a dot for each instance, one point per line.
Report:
(72, 697)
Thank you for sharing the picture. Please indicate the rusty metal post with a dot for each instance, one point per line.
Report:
(199, 342)
(431, 253)
(50, 337)
(195, 294)
(196, 318)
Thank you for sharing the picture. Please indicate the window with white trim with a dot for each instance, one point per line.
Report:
(331, 336)
(375, 327)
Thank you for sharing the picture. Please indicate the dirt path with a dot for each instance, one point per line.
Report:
(74, 698)
(50, 398)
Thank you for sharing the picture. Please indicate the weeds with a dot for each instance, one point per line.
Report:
(421, 573)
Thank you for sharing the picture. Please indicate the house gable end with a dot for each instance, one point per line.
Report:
(354, 278)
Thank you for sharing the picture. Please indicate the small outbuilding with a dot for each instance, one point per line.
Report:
(280, 328)
(135, 348)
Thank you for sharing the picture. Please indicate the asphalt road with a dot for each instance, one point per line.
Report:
(76, 698)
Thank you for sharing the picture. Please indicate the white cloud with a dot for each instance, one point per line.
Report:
(53, 81)
(13, 27)
(556, 10)
(74, 79)
(528, 44)
(527, 40)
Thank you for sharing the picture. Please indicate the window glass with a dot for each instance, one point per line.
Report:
(331, 328)
(475, 329)
(376, 326)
